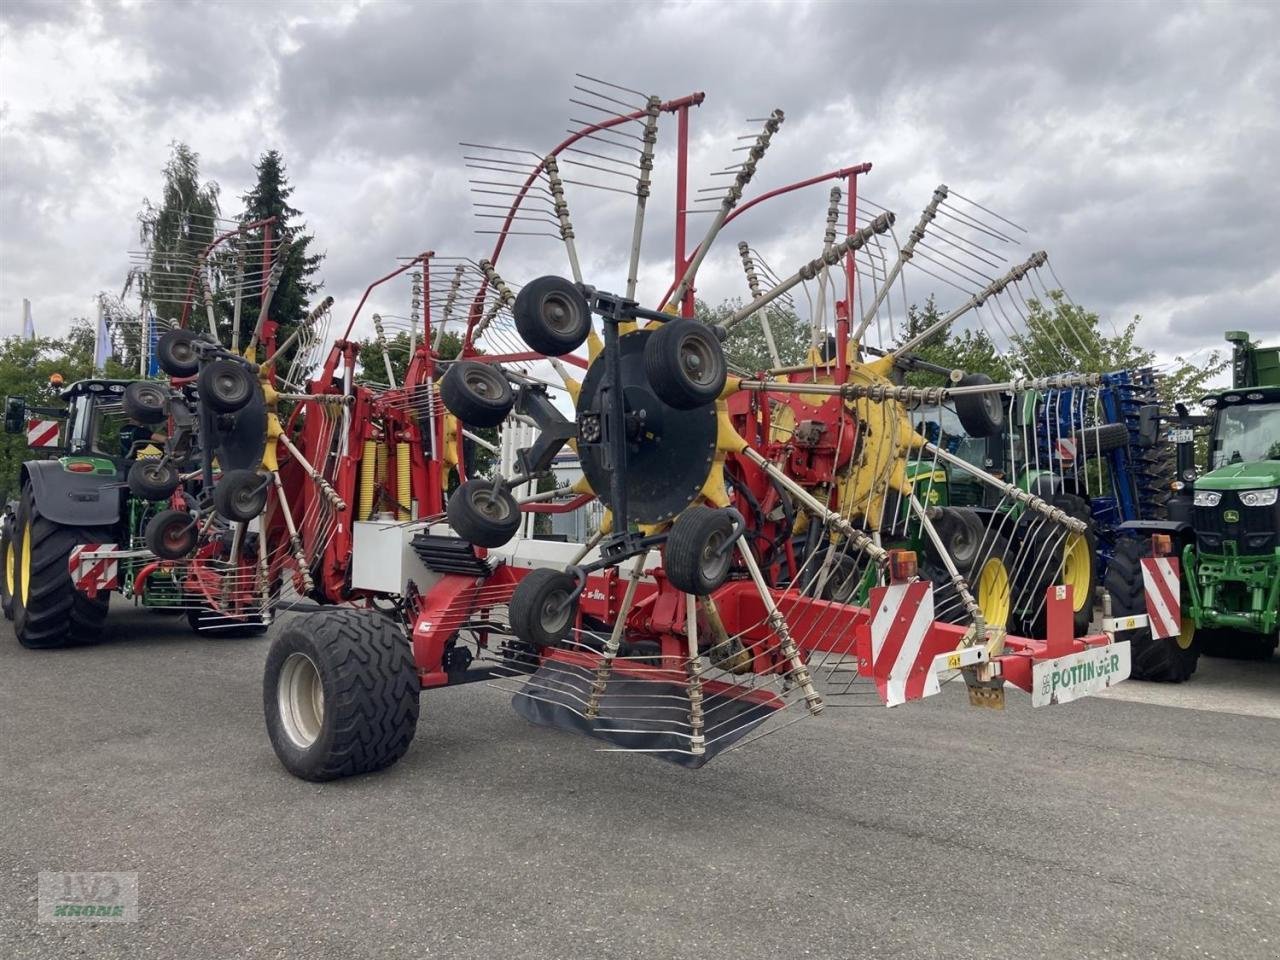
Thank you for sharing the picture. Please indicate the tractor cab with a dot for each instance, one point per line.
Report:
(96, 424)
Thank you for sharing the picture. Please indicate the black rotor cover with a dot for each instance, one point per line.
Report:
(669, 451)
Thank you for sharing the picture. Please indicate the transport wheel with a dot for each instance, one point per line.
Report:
(482, 515)
(1171, 660)
(476, 393)
(843, 583)
(699, 550)
(1102, 439)
(989, 577)
(10, 567)
(144, 402)
(340, 694)
(963, 532)
(171, 534)
(48, 611)
(176, 353)
(685, 363)
(153, 479)
(552, 316)
(240, 495)
(981, 414)
(226, 385)
(541, 610)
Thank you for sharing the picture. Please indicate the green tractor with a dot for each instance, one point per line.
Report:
(95, 485)
(1223, 525)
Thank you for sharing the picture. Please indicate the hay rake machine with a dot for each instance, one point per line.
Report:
(770, 543)
(763, 530)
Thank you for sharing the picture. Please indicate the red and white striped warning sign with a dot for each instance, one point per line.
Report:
(1161, 578)
(901, 615)
(1066, 447)
(92, 573)
(43, 433)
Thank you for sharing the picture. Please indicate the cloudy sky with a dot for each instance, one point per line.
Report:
(1139, 143)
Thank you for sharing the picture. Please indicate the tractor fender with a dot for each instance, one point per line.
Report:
(72, 499)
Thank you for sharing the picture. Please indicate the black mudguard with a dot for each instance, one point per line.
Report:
(73, 499)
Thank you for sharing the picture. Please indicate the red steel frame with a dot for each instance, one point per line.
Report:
(659, 609)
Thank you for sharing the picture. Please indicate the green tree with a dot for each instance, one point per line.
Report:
(972, 351)
(747, 349)
(176, 232)
(270, 198)
(1062, 336)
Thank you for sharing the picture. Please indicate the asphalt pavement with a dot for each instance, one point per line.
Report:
(1140, 824)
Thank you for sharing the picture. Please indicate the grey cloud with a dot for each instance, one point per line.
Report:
(1137, 141)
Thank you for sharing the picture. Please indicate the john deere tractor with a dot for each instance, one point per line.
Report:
(97, 480)
(1223, 524)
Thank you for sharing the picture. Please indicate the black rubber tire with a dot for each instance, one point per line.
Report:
(175, 353)
(8, 567)
(1078, 508)
(552, 315)
(1159, 660)
(370, 694)
(171, 534)
(1101, 439)
(539, 612)
(684, 362)
(145, 402)
(241, 495)
(843, 581)
(699, 550)
(1034, 571)
(54, 613)
(981, 414)
(476, 393)
(962, 531)
(153, 479)
(947, 604)
(1237, 644)
(481, 515)
(828, 349)
(225, 385)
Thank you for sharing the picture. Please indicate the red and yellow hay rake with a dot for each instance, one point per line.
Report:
(768, 541)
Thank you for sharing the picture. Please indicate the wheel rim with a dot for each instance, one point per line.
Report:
(175, 535)
(559, 313)
(230, 387)
(156, 474)
(714, 558)
(246, 499)
(554, 613)
(993, 592)
(1187, 635)
(8, 567)
(489, 506)
(300, 700)
(1077, 570)
(149, 398)
(697, 361)
(482, 385)
(24, 577)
